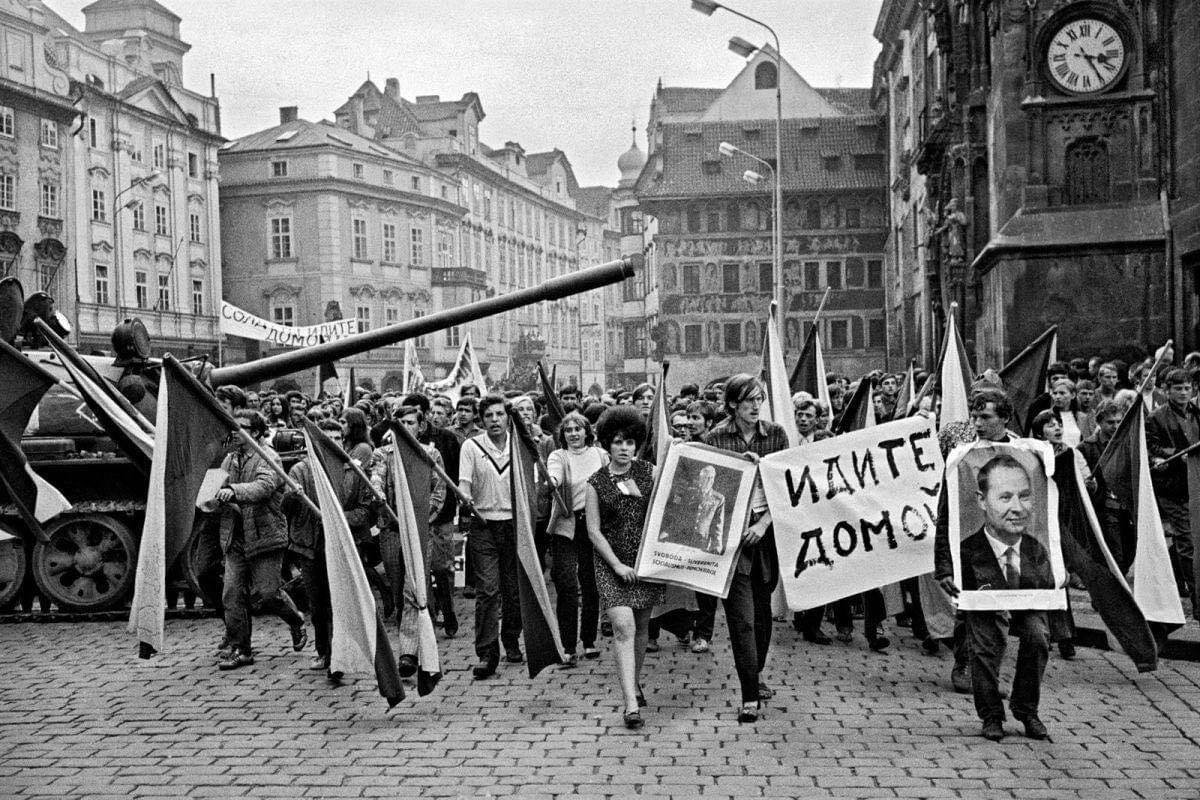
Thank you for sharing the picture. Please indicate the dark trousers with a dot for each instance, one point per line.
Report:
(254, 584)
(808, 621)
(316, 584)
(748, 613)
(574, 574)
(492, 546)
(873, 612)
(207, 558)
(706, 616)
(911, 590)
(988, 633)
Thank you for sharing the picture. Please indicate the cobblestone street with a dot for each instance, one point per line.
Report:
(80, 716)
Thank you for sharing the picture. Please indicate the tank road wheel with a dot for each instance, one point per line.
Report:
(12, 566)
(88, 564)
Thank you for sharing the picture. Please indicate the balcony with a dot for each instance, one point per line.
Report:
(458, 276)
(938, 127)
(96, 319)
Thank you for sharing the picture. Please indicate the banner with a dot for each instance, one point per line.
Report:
(854, 512)
(1003, 523)
(237, 322)
(696, 517)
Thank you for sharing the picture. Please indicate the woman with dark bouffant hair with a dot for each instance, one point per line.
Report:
(356, 436)
(618, 496)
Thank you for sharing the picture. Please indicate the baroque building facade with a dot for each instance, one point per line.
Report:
(710, 231)
(1040, 131)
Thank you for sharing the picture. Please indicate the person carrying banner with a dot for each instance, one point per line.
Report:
(253, 538)
(617, 498)
(491, 544)
(1173, 427)
(748, 605)
(806, 410)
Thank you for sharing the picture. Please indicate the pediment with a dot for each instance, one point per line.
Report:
(156, 99)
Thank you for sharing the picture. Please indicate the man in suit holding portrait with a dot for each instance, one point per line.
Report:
(1001, 555)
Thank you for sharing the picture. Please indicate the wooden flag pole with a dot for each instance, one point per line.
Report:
(441, 473)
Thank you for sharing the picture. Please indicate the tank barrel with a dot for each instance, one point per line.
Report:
(563, 286)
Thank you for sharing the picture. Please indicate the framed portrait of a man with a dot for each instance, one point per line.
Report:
(696, 518)
(1003, 524)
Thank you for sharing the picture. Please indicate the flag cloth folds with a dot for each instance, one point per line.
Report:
(466, 372)
(554, 408)
(22, 385)
(543, 643)
(809, 373)
(188, 439)
(329, 383)
(348, 395)
(1125, 465)
(858, 409)
(359, 642)
(1024, 377)
(1086, 555)
(956, 375)
(412, 379)
(907, 394)
(411, 477)
(658, 433)
(774, 375)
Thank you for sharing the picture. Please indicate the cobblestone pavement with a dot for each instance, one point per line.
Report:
(80, 716)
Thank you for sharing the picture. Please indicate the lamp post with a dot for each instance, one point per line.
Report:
(745, 50)
(754, 178)
(118, 239)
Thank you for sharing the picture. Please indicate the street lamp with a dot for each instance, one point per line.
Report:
(755, 178)
(745, 49)
(118, 244)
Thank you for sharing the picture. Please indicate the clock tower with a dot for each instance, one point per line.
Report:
(1055, 146)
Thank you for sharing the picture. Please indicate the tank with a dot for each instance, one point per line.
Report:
(88, 560)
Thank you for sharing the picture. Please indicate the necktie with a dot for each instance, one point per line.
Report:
(1011, 573)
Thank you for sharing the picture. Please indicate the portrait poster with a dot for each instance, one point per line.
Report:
(697, 514)
(854, 512)
(1001, 495)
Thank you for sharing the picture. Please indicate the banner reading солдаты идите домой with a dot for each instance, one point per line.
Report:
(854, 512)
(238, 322)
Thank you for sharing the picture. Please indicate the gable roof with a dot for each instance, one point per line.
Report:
(537, 164)
(310, 134)
(685, 99)
(849, 101)
(593, 200)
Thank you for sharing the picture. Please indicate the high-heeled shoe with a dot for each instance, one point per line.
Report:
(641, 698)
(748, 713)
(633, 720)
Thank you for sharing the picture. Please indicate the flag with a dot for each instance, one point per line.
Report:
(22, 385)
(132, 432)
(1086, 555)
(809, 373)
(411, 477)
(554, 408)
(779, 395)
(465, 372)
(858, 409)
(359, 642)
(543, 644)
(413, 379)
(1125, 465)
(349, 396)
(956, 375)
(326, 372)
(658, 433)
(906, 397)
(189, 437)
(1024, 377)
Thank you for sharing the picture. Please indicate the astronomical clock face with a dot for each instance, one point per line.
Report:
(1085, 56)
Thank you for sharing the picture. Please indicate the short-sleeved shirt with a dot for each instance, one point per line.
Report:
(768, 438)
(484, 468)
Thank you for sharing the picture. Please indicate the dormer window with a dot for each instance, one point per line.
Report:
(766, 76)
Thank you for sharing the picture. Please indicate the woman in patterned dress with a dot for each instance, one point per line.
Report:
(618, 496)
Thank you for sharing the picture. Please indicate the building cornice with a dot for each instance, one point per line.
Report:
(277, 187)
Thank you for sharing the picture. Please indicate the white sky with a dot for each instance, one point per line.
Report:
(571, 74)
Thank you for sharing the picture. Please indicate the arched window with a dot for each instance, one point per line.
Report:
(1087, 173)
(766, 76)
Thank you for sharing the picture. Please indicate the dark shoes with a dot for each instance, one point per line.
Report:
(514, 656)
(765, 692)
(633, 720)
(407, 665)
(568, 662)
(1034, 728)
(960, 678)
(877, 641)
(748, 713)
(450, 624)
(483, 670)
(993, 730)
(591, 652)
(930, 646)
(1066, 649)
(816, 636)
(652, 646)
(845, 635)
(299, 637)
(234, 659)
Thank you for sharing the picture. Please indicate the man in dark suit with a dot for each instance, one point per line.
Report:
(1001, 555)
(1174, 426)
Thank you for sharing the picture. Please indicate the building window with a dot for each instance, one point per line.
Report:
(160, 220)
(135, 151)
(362, 316)
(855, 274)
(876, 332)
(766, 277)
(812, 214)
(279, 169)
(93, 132)
(194, 227)
(99, 206)
(453, 335)
(856, 333)
(198, 298)
(389, 177)
(141, 292)
(875, 274)
(417, 249)
(193, 165)
(49, 207)
(812, 276)
(730, 283)
(766, 76)
(8, 122)
(8, 192)
(693, 218)
(391, 315)
(164, 292)
(101, 284)
(853, 217)
(138, 209)
(160, 156)
(693, 338)
(359, 237)
(281, 237)
(360, 172)
(733, 337)
(283, 315)
(49, 134)
(389, 242)
(690, 282)
(416, 183)
(713, 218)
(1087, 173)
(419, 341)
(833, 274)
(445, 250)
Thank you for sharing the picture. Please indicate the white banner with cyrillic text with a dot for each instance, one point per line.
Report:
(238, 322)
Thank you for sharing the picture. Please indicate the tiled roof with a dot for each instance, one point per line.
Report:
(442, 109)
(807, 145)
(849, 101)
(593, 200)
(685, 99)
(537, 163)
(309, 134)
(394, 118)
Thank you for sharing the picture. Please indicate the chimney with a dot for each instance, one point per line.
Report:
(357, 122)
(288, 114)
(392, 88)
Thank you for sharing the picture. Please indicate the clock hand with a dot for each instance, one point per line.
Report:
(1092, 63)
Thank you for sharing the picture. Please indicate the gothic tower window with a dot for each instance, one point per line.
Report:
(1086, 169)
(766, 76)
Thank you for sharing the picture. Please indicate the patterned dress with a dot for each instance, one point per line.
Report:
(621, 520)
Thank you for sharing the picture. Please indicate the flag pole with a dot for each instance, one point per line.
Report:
(820, 308)
(428, 459)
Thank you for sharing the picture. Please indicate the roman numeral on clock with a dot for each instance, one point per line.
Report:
(1062, 70)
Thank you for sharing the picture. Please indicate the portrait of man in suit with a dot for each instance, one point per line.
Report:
(1002, 554)
(696, 515)
(709, 529)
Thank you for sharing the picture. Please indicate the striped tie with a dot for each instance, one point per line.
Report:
(1011, 573)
